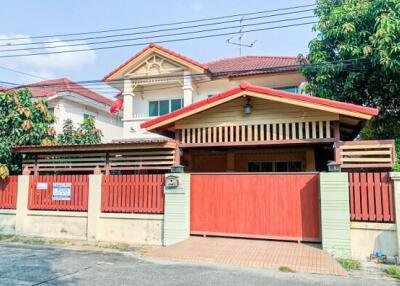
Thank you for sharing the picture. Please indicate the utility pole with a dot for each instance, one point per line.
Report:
(240, 38)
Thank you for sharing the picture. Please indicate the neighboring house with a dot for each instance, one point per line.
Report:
(68, 100)
(157, 81)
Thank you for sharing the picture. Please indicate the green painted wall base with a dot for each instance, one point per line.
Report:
(177, 211)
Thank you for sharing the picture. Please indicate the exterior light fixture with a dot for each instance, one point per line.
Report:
(247, 108)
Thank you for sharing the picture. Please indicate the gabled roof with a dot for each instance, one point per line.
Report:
(49, 88)
(154, 48)
(244, 88)
(227, 67)
(252, 65)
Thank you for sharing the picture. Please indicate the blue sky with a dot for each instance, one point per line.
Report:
(30, 18)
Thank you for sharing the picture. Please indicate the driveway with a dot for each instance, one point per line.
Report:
(22, 264)
(252, 253)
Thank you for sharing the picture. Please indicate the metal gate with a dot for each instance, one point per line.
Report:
(270, 206)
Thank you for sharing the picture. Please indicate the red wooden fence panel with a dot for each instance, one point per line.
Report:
(371, 197)
(8, 192)
(41, 198)
(273, 206)
(133, 193)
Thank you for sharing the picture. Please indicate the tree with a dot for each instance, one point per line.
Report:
(86, 133)
(356, 58)
(23, 121)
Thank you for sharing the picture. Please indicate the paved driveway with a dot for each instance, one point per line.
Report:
(40, 265)
(252, 253)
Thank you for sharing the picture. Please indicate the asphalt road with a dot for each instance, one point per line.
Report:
(43, 265)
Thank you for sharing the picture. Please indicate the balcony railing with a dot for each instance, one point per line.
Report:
(367, 154)
(271, 133)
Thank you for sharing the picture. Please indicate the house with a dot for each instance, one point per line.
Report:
(157, 81)
(68, 100)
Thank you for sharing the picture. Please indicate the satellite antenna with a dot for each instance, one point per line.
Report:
(239, 43)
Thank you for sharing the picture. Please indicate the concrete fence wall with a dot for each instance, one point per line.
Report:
(92, 225)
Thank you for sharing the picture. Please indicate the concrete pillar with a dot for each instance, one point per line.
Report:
(395, 176)
(128, 100)
(187, 89)
(94, 207)
(177, 210)
(22, 204)
(335, 214)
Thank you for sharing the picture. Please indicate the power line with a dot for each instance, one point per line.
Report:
(348, 65)
(163, 41)
(159, 36)
(21, 72)
(160, 25)
(147, 37)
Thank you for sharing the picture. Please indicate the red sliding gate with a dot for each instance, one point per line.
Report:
(272, 206)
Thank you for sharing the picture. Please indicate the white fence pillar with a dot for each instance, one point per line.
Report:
(395, 176)
(22, 204)
(94, 207)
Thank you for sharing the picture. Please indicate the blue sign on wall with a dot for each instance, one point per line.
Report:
(61, 191)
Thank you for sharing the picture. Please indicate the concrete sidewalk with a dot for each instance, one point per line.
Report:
(252, 253)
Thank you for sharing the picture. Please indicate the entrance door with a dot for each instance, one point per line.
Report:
(271, 206)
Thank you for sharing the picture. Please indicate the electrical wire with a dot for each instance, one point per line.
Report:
(159, 25)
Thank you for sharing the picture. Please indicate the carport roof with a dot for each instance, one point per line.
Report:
(244, 88)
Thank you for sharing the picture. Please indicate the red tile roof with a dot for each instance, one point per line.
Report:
(251, 65)
(244, 86)
(49, 88)
(168, 51)
(235, 66)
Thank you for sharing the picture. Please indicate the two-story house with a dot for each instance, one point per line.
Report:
(68, 100)
(157, 81)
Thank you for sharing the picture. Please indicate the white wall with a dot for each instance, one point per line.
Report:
(201, 90)
(65, 108)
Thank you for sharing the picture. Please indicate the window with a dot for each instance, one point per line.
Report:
(164, 107)
(51, 110)
(293, 89)
(284, 166)
(161, 107)
(153, 108)
(176, 104)
(86, 116)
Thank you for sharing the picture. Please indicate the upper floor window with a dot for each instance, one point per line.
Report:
(51, 110)
(293, 89)
(161, 107)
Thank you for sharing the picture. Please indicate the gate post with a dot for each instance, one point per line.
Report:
(22, 204)
(176, 209)
(94, 207)
(395, 176)
(335, 214)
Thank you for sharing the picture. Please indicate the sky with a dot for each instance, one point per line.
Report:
(48, 17)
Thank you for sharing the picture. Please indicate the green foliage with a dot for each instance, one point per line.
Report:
(397, 165)
(86, 133)
(356, 58)
(349, 264)
(23, 121)
(393, 271)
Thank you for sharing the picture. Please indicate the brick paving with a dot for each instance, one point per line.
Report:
(251, 253)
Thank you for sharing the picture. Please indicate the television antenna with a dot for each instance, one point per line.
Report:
(239, 42)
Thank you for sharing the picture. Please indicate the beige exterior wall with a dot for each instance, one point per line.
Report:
(199, 90)
(264, 111)
(368, 238)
